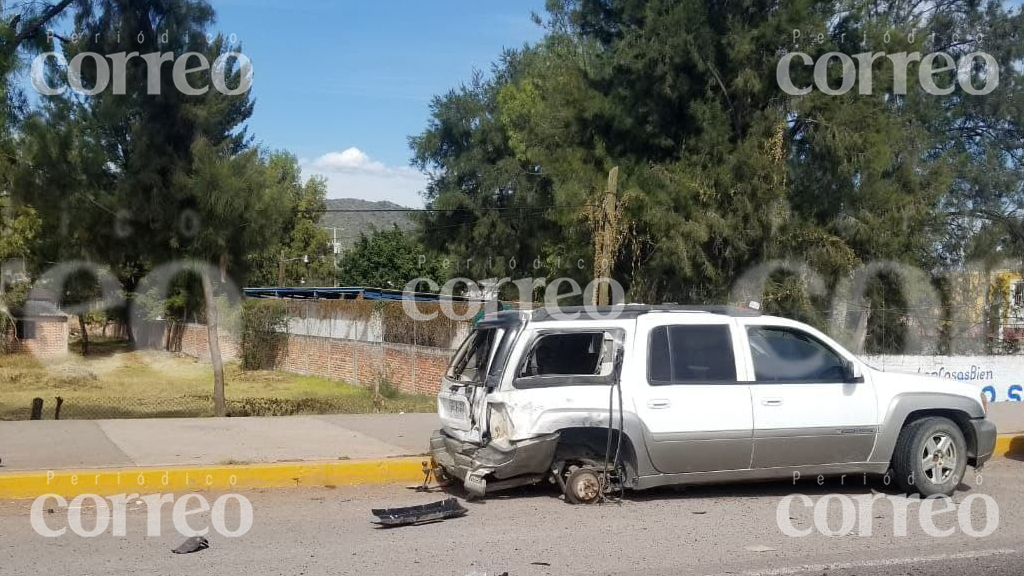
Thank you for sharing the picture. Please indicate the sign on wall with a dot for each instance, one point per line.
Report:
(1000, 377)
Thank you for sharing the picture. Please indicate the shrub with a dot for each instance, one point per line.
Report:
(386, 388)
(264, 323)
(14, 297)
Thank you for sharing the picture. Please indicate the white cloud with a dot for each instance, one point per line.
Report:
(348, 160)
(352, 173)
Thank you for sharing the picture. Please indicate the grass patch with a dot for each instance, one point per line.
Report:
(117, 383)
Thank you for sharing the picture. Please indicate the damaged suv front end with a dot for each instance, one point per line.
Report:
(473, 443)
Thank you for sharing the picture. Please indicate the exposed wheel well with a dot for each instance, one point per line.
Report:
(581, 444)
(962, 420)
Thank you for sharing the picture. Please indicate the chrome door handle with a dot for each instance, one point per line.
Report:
(771, 401)
(658, 403)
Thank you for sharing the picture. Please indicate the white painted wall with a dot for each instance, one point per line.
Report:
(356, 327)
(1002, 377)
(340, 326)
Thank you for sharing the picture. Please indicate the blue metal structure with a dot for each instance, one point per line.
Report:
(348, 293)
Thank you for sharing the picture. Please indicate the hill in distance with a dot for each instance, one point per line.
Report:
(350, 224)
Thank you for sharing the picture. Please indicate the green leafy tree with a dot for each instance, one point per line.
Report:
(719, 169)
(61, 170)
(149, 140)
(385, 259)
(19, 227)
(493, 207)
(239, 210)
(22, 34)
(151, 177)
(304, 251)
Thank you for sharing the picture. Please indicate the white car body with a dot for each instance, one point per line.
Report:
(685, 432)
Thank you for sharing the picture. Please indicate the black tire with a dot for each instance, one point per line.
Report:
(583, 486)
(937, 441)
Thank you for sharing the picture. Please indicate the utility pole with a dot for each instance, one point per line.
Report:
(280, 266)
(607, 222)
(335, 251)
(280, 271)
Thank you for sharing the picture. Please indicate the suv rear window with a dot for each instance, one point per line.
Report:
(690, 354)
(471, 361)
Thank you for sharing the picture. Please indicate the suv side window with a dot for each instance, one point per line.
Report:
(789, 355)
(578, 353)
(690, 354)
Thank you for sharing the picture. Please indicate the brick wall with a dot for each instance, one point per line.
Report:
(51, 337)
(410, 368)
(107, 330)
(192, 340)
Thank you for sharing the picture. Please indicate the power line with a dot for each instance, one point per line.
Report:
(464, 208)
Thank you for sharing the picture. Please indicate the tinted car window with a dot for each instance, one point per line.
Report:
(691, 354)
(790, 355)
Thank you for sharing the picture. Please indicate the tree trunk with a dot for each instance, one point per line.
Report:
(85, 335)
(131, 283)
(606, 238)
(211, 335)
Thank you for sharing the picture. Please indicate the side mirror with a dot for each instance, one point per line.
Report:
(854, 374)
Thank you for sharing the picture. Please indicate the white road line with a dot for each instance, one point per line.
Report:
(787, 571)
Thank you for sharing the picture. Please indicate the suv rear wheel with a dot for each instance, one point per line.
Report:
(583, 486)
(930, 456)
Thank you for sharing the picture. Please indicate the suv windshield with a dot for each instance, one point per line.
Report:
(474, 356)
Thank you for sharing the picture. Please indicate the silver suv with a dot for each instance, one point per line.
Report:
(642, 396)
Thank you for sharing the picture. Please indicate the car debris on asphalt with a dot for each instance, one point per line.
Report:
(433, 512)
(193, 544)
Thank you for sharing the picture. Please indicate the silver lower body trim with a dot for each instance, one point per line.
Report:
(760, 474)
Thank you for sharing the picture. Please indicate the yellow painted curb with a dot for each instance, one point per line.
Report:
(1009, 444)
(108, 481)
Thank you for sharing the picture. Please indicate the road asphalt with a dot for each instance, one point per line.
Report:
(728, 529)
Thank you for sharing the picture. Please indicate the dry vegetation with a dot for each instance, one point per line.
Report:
(117, 383)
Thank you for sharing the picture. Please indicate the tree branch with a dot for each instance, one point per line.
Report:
(33, 26)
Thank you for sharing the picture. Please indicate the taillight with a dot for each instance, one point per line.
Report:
(500, 427)
(984, 403)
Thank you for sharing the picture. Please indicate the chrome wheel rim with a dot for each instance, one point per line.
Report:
(939, 458)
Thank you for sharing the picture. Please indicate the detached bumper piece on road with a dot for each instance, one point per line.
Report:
(449, 508)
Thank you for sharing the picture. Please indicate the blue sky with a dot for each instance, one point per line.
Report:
(343, 84)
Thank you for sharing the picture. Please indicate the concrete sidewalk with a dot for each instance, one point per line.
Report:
(72, 444)
(97, 444)
(73, 457)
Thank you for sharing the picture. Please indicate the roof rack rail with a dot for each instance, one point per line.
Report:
(634, 310)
